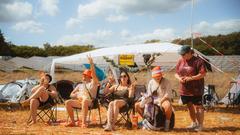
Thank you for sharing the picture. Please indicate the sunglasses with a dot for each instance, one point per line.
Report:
(123, 76)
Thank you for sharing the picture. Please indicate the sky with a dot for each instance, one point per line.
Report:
(104, 23)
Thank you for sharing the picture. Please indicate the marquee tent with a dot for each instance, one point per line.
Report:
(168, 55)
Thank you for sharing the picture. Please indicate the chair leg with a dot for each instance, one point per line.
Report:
(99, 114)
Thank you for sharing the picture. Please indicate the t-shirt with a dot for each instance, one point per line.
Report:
(85, 87)
(162, 89)
(188, 68)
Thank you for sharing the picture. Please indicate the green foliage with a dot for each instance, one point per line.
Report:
(226, 44)
(5, 50)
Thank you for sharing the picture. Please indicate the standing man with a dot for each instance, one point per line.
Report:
(190, 71)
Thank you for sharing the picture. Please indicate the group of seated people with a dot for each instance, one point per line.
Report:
(190, 72)
(84, 93)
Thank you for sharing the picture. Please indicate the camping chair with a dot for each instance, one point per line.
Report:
(233, 97)
(47, 111)
(95, 105)
(126, 110)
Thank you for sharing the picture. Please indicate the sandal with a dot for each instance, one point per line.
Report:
(71, 124)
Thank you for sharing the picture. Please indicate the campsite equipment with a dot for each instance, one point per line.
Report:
(210, 97)
(17, 91)
(232, 98)
(154, 117)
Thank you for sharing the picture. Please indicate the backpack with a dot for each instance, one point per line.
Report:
(154, 117)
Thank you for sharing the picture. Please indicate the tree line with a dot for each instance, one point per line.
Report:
(227, 44)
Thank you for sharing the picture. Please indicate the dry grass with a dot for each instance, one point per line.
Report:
(220, 122)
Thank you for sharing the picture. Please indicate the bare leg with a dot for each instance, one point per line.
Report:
(192, 112)
(85, 104)
(39, 93)
(34, 104)
(200, 114)
(110, 113)
(139, 109)
(69, 104)
(168, 109)
(117, 105)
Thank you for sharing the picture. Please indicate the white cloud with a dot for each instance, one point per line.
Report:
(72, 22)
(116, 18)
(28, 26)
(14, 10)
(222, 27)
(50, 7)
(167, 34)
(96, 38)
(104, 7)
(125, 33)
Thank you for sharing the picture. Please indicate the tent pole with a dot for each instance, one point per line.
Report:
(192, 24)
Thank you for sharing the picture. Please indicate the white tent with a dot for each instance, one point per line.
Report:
(168, 56)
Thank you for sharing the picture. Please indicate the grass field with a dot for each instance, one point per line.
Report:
(221, 121)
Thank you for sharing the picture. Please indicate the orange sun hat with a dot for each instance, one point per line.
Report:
(157, 72)
(88, 73)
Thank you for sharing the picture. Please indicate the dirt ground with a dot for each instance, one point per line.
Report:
(219, 122)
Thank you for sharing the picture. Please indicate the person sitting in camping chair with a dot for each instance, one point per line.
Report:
(87, 91)
(160, 88)
(42, 94)
(121, 92)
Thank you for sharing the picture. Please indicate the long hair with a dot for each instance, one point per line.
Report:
(124, 71)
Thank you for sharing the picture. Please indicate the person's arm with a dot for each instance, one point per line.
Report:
(195, 77)
(92, 67)
(131, 90)
(168, 93)
(53, 91)
(109, 89)
(180, 79)
(74, 93)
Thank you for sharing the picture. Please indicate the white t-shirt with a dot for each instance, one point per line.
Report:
(163, 89)
(85, 87)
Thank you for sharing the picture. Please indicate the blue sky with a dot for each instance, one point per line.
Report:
(113, 22)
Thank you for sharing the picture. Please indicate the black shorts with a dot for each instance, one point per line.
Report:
(196, 100)
(49, 100)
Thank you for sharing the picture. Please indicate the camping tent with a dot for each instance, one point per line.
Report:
(233, 96)
(17, 91)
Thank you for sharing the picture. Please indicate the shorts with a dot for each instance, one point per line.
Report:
(49, 101)
(196, 100)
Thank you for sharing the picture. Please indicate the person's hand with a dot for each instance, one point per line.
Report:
(90, 60)
(187, 79)
(182, 79)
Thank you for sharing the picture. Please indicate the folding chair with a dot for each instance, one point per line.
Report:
(126, 110)
(46, 113)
